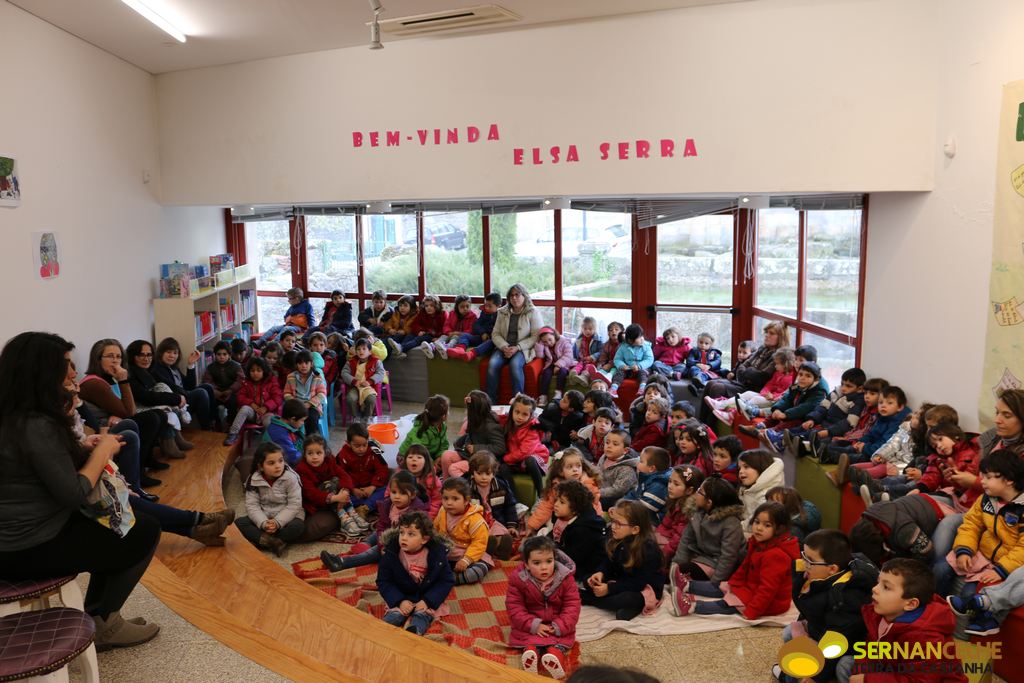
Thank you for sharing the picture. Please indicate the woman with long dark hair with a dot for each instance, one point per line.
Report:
(46, 478)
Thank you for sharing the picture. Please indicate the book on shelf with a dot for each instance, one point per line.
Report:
(206, 326)
(227, 313)
(219, 262)
(200, 271)
(246, 304)
(168, 270)
(246, 332)
(175, 287)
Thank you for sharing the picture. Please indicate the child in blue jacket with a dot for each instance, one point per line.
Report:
(634, 358)
(892, 411)
(652, 488)
(288, 430)
(703, 363)
(414, 576)
(298, 318)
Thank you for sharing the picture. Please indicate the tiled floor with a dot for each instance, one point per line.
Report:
(183, 653)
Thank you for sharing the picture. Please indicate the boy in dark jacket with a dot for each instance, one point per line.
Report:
(226, 377)
(288, 431)
(578, 530)
(373, 316)
(478, 342)
(491, 492)
(703, 363)
(562, 418)
(829, 593)
(836, 415)
(892, 411)
(652, 486)
(340, 319)
(414, 577)
(790, 410)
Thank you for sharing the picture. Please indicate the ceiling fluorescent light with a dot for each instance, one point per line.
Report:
(164, 25)
(556, 203)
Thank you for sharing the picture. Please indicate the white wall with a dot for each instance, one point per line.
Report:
(82, 125)
(779, 95)
(929, 255)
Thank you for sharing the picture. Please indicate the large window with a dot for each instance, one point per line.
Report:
(778, 256)
(572, 318)
(695, 261)
(331, 258)
(269, 253)
(390, 253)
(523, 250)
(453, 253)
(597, 254)
(692, 324)
(833, 269)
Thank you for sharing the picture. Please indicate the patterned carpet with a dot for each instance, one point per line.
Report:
(477, 622)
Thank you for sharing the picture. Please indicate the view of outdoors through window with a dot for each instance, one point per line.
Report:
(833, 269)
(331, 253)
(389, 251)
(597, 255)
(778, 258)
(695, 261)
(453, 253)
(523, 250)
(269, 254)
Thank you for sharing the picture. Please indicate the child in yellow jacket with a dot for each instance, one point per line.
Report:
(989, 545)
(462, 521)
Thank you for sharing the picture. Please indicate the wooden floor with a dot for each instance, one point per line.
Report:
(257, 607)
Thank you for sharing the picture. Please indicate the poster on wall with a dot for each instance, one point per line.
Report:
(1004, 341)
(10, 189)
(45, 255)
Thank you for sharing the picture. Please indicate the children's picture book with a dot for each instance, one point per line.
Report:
(10, 187)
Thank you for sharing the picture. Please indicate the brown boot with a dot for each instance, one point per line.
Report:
(222, 519)
(208, 534)
(273, 543)
(116, 632)
(170, 449)
(182, 443)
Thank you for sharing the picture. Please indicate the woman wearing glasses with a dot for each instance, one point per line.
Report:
(161, 398)
(107, 391)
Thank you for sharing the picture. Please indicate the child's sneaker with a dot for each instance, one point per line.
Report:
(614, 390)
(395, 346)
(363, 511)
(678, 580)
(441, 349)
(983, 624)
(966, 607)
(530, 660)
(542, 401)
(554, 663)
(428, 349)
(789, 442)
(682, 603)
(725, 416)
(332, 562)
(363, 524)
(766, 440)
(869, 500)
(557, 397)
(470, 355)
(745, 410)
(351, 524)
(456, 352)
(231, 439)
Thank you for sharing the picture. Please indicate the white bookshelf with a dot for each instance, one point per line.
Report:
(232, 303)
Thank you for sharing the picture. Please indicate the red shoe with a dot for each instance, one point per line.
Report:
(457, 352)
(530, 659)
(554, 663)
(470, 355)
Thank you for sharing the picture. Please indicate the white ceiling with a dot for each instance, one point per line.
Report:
(228, 31)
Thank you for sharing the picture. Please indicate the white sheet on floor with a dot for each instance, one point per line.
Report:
(595, 623)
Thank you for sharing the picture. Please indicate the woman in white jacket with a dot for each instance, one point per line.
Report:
(515, 335)
(273, 501)
(758, 472)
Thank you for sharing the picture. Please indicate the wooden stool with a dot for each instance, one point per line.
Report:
(39, 645)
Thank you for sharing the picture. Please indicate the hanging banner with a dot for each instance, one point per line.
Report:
(1004, 342)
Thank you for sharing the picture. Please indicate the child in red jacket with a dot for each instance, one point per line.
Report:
(364, 463)
(259, 399)
(458, 322)
(326, 493)
(905, 610)
(543, 606)
(955, 452)
(670, 352)
(427, 326)
(525, 450)
(655, 429)
(763, 583)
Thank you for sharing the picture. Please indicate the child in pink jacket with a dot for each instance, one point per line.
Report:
(525, 450)
(457, 322)
(555, 352)
(785, 373)
(670, 352)
(543, 606)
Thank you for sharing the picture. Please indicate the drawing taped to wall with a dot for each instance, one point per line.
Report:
(10, 189)
(44, 253)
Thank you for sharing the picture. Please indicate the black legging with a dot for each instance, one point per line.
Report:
(151, 425)
(115, 564)
(625, 605)
(695, 572)
(532, 468)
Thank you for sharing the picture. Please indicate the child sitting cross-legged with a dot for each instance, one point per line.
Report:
(498, 501)
(543, 605)
(309, 387)
(654, 432)
(617, 467)
(273, 501)
(364, 462)
(404, 495)
(362, 374)
(484, 432)
(725, 459)
(785, 372)
(413, 576)
(463, 522)
(326, 493)
(628, 581)
(652, 485)
(762, 584)
(713, 539)
(288, 430)
(906, 613)
(578, 530)
(683, 483)
(829, 593)
(565, 465)
(989, 544)
(804, 516)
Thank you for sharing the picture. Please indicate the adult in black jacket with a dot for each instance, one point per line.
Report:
(750, 374)
(140, 358)
(47, 476)
(199, 396)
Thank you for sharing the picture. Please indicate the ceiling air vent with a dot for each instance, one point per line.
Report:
(449, 20)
